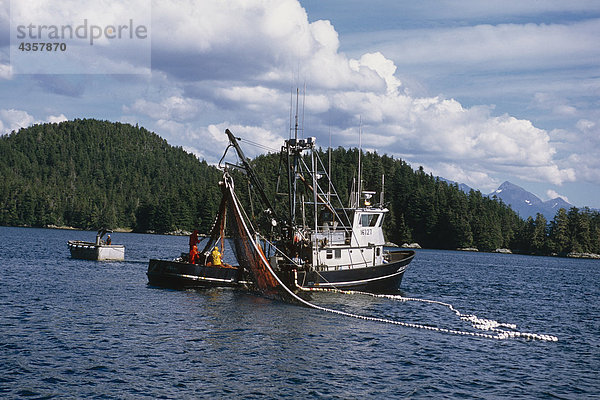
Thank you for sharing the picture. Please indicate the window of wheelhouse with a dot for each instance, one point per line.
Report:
(327, 217)
(329, 220)
(369, 220)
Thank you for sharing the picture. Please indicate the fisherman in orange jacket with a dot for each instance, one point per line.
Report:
(194, 255)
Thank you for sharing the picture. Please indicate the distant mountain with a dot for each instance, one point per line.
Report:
(527, 204)
(556, 204)
(465, 188)
(461, 186)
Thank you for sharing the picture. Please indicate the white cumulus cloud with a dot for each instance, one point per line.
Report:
(236, 64)
(173, 107)
(13, 120)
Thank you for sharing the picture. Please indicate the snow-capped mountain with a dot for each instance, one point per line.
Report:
(523, 202)
(527, 204)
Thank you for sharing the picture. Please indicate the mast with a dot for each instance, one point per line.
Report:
(315, 186)
(293, 168)
(352, 197)
(329, 172)
(359, 183)
(303, 104)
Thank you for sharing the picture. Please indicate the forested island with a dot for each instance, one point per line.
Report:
(89, 174)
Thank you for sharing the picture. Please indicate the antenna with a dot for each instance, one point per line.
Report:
(296, 118)
(359, 183)
(291, 108)
(303, 103)
(329, 172)
(382, 190)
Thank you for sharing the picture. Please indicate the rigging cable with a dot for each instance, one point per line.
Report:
(256, 144)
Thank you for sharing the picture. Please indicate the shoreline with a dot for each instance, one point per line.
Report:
(72, 228)
(180, 232)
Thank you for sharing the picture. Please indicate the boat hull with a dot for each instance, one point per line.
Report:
(182, 275)
(384, 278)
(92, 251)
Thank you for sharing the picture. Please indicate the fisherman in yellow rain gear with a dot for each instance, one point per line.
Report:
(216, 257)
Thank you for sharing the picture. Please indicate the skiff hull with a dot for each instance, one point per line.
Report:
(182, 275)
(92, 251)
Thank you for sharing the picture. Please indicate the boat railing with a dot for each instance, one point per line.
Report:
(360, 264)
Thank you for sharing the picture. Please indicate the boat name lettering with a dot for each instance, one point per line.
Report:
(366, 232)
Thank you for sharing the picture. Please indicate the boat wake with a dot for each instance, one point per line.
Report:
(498, 330)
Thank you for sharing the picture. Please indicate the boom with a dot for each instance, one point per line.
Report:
(270, 211)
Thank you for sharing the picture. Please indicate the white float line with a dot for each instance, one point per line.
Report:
(477, 323)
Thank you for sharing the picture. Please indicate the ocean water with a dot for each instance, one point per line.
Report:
(82, 329)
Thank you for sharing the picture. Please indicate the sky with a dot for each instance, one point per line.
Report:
(478, 92)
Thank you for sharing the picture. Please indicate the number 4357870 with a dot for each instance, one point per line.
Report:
(36, 46)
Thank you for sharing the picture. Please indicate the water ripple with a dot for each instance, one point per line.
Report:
(79, 329)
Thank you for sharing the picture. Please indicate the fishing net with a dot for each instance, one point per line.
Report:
(248, 251)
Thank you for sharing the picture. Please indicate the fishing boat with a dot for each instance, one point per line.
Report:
(332, 247)
(100, 250)
(320, 244)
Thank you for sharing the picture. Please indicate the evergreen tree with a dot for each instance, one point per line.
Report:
(538, 234)
(559, 232)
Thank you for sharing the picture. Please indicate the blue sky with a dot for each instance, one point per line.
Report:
(475, 91)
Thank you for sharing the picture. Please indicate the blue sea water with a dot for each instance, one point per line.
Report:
(82, 329)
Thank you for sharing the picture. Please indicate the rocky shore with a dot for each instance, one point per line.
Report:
(584, 255)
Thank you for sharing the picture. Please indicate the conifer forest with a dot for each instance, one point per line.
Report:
(90, 174)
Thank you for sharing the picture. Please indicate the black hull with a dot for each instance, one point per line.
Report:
(181, 275)
(384, 278)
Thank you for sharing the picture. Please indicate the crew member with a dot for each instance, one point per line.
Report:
(216, 257)
(194, 239)
(194, 254)
(108, 240)
(297, 260)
